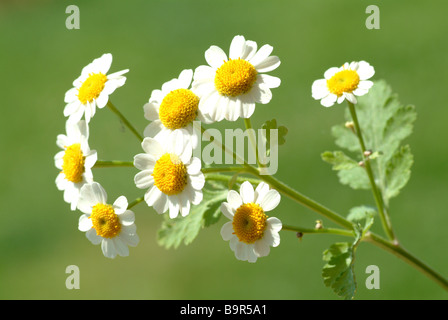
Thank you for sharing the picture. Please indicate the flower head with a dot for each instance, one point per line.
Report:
(111, 225)
(230, 86)
(92, 89)
(75, 161)
(173, 178)
(173, 109)
(342, 83)
(250, 231)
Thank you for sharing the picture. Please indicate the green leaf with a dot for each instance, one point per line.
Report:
(339, 160)
(338, 272)
(398, 171)
(185, 229)
(349, 171)
(385, 123)
(363, 217)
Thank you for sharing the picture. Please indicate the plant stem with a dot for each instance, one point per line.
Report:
(112, 163)
(384, 217)
(304, 200)
(407, 257)
(227, 178)
(317, 231)
(135, 202)
(111, 106)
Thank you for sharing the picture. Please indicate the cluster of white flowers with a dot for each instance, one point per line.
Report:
(227, 88)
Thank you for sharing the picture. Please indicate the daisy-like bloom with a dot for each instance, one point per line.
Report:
(250, 231)
(76, 161)
(230, 87)
(172, 176)
(342, 83)
(173, 109)
(92, 89)
(111, 225)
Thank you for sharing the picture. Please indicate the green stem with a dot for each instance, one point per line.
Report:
(112, 163)
(304, 200)
(227, 178)
(384, 217)
(407, 257)
(135, 202)
(111, 106)
(336, 231)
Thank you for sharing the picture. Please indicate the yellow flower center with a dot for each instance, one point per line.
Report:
(235, 77)
(343, 81)
(105, 220)
(91, 87)
(73, 163)
(178, 108)
(170, 174)
(249, 222)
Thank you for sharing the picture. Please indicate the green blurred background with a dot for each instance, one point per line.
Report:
(40, 58)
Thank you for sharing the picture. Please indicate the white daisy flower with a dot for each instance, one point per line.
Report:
(173, 109)
(342, 83)
(92, 89)
(76, 161)
(173, 178)
(111, 225)
(250, 231)
(230, 87)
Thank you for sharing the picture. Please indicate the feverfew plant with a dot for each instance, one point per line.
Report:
(193, 193)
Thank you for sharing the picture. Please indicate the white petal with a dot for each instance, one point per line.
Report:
(121, 248)
(227, 231)
(350, 97)
(270, 81)
(185, 78)
(234, 199)
(93, 237)
(260, 192)
(144, 161)
(144, 179)
(331, 72)
(270, 200)
(261, 55)
(319, 89)
(152, 195)
(269, 64)
(84, 224)
(121, 204)
(152, 147)
(161, 205)
(151, 111)
(127, 217)
(227, 210)
(194, 167)
(247, 192)
(261, 249)
(173, 205)
(108, 248)
(250, 49)
(197, 181)
(365, 70)
(329, 100)
(237, 47)
(262, 94)
(274, 224)
(215, 56)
